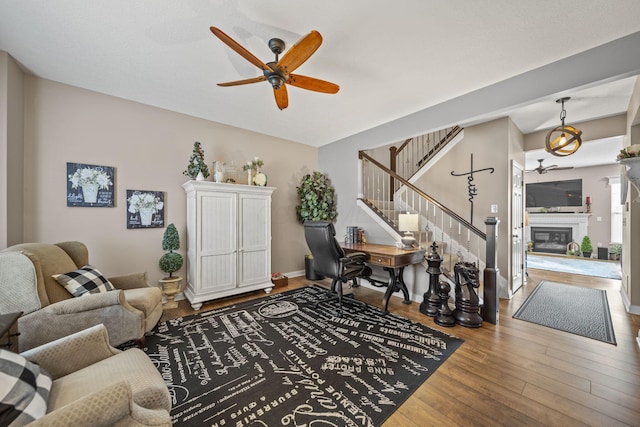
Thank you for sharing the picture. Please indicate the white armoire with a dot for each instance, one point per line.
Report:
(228, 240)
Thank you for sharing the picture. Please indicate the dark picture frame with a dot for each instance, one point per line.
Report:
(145, 209)
(90, 185)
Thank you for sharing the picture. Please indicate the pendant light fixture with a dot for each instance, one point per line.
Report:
(563, 140)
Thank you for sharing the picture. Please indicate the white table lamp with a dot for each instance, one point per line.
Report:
(408, 223)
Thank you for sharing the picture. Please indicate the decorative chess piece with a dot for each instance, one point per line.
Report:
(467, 308)
(445, 315)
(431, 300)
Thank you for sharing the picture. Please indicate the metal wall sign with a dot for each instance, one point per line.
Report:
(472, 189)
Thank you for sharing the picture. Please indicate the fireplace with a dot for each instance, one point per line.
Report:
(551, 239)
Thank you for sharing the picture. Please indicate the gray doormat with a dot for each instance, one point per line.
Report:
(580, 311)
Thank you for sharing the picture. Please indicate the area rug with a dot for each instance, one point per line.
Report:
(580, 311)
(606, 269)
(286, 360)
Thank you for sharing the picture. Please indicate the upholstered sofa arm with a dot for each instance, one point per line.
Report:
(63, 318)
(130, 281)
(88, 302)
(110, 406)
(72, 353)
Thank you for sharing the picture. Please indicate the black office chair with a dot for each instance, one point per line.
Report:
(330, 260)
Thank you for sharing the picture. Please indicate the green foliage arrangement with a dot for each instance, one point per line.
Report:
(615, 248)
(196, 163)
(316, 198)
(586, 245)
(171, 261)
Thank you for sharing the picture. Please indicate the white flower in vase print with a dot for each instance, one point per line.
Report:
(83, 176)
(144, 201)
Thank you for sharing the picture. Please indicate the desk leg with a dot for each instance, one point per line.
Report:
(396, 283)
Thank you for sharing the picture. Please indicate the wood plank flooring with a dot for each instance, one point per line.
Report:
(516, 373)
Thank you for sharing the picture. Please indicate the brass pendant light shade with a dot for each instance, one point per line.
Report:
(563, 140)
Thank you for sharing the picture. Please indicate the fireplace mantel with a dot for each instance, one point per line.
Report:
(579, 223)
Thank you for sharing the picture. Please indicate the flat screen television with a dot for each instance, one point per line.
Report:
(554, 193)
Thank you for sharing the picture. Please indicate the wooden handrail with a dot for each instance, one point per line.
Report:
(362, 155)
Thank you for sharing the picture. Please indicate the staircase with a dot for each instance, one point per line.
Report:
(385, 193)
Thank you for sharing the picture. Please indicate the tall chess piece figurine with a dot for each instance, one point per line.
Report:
(467, 308)
(431, 300)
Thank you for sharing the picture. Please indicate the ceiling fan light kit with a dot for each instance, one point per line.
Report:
(278, 72)
(563, 140)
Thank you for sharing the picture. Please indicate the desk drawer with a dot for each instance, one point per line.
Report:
(383, 260)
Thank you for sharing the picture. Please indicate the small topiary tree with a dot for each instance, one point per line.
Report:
(171, 261)
(196, 163)
(586, 246)
(317, 198)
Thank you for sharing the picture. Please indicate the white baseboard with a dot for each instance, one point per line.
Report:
(632, 309)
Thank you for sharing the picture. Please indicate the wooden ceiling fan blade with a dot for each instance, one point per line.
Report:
(244, 82)
(239, 48)
(311, 83)
(562, 168)
(282, 97)
(300, 52)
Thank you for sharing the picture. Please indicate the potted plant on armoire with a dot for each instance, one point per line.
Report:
(316, 201)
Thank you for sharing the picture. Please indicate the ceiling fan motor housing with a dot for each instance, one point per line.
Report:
(277, 77)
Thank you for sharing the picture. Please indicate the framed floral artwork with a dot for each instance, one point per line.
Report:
(145, 209)
(90, 185)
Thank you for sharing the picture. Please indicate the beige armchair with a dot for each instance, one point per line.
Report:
(127, 312)
(95, 384)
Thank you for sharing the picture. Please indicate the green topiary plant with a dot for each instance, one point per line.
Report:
(196, 163)
(316, 197)
(586, 246)
(171, 261)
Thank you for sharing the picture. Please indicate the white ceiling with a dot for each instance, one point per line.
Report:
(390, 61)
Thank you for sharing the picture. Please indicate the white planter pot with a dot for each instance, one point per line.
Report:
(146, 214)
(632, 164)
(90, 193)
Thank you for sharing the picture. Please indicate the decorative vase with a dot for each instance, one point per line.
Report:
(200, 176)
(249, 176)
(171, 286)
(632, 164)
(260, 179)
(90, 193)
(146, 214)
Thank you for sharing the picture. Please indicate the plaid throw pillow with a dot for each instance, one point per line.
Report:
(84, 281)
(24, 390)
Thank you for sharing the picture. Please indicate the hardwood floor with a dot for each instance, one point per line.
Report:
(517, 373)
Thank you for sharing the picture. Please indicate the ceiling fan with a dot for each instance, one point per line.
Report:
(279, 72)
(543, 169)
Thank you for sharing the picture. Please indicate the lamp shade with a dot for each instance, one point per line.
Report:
(409, 222)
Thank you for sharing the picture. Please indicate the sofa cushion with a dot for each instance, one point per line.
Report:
(24, 390)
(86, 280)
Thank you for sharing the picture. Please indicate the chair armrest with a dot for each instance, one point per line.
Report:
(110, 406)
(73, 352)
(87, 303)
(354, 257)
(130, 281)
(63, 318)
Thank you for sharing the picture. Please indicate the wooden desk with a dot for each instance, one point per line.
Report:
(393, 261)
